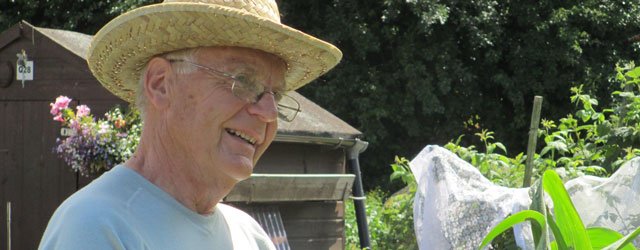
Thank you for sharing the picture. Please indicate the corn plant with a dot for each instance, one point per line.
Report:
(565, 224)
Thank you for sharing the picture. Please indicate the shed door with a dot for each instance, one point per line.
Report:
(32, 178)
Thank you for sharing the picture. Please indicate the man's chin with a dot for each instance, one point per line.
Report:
(243, 170)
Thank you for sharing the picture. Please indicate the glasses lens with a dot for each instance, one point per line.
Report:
(288, 108)
(245, 91)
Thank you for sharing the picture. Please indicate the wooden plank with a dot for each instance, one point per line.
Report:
(11, 141)
(11, 182)
(312, 210)
(42, 182)
(49, 92)
(289, 187)
(56, 72)
(296, 158)
(317, 243)
(31, 184)
(29, 221)
(9, 35)
(302, 210)
(314, 228)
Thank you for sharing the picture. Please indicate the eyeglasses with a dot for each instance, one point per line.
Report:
(252, 92)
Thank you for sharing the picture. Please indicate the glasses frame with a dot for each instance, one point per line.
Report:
(258, 97)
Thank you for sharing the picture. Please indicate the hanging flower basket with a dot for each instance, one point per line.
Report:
(93, 146)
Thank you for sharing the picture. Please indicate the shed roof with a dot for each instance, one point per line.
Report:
(312, 121)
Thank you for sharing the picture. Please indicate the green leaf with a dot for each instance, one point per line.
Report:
(558, 145)
(625, 241)
(538, 205)
(395, 175)
(546, 149)
(602, 237)
(624, 94)
(559, 243)
(635, 73)
(569, 223)
(509, 222)
(501, 146)
(584, 115)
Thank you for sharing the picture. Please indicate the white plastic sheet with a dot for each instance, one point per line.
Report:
(455, 206)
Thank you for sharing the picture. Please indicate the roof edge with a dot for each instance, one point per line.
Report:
(336, 142)
(12, 33)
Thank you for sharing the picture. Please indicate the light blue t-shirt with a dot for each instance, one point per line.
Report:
(123, 210)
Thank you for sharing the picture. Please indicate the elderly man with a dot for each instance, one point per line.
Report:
(211, 82)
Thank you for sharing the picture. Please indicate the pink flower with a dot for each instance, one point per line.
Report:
(62, 102)
(83, 110)
(58, 118)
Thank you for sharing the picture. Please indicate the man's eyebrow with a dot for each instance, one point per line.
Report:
(236, 66)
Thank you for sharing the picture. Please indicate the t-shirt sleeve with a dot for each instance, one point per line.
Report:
(88, 226)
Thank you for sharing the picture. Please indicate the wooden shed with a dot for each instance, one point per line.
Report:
(297, 192)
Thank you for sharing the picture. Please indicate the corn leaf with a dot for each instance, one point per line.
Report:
(509, 222)
(538, 204)
(569, 223)
(601, 237)
(559, 243)
(625, 241)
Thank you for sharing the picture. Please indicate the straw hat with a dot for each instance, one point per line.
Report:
(120, 50)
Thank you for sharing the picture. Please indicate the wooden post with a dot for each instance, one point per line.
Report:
(533, 138)
(8, 225)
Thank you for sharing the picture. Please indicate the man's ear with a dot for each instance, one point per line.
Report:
(158, 76)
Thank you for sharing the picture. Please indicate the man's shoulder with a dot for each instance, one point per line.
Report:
(82, 222)
(96, 215)
(102, 197)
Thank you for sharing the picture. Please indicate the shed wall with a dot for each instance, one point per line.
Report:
(32, 178)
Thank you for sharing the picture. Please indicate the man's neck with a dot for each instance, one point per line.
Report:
(171, 171)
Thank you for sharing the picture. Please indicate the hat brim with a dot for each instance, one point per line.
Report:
(120, 50)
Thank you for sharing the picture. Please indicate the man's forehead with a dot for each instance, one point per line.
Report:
(238, 55)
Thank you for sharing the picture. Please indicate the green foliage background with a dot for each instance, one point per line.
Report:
(414, 71)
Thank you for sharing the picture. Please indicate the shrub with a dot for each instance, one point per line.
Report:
(390, 219)
(590, 141)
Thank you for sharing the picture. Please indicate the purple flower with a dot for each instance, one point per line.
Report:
(104, 128)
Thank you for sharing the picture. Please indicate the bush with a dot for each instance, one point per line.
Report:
(590, 141)
(390, 219)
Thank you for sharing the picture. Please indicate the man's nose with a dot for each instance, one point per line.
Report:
(265, 108)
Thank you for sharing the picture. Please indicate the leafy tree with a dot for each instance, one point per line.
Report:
(84, 16)
(414, 71)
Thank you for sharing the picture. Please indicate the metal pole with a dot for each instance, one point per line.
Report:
(358, 194)
(533, 138)
(8, 225)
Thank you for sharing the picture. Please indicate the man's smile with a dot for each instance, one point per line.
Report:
(242, 136)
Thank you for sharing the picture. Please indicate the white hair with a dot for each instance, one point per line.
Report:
(182, 68)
